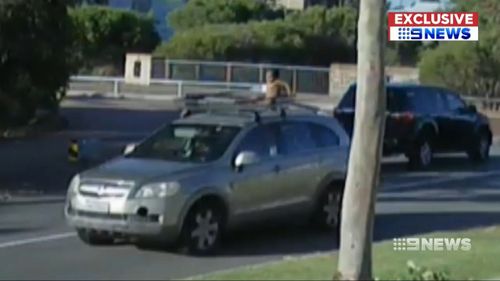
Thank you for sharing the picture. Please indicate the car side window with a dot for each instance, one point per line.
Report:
(324, 136)
(295, 137)
(432, 101)
(261, 140)
(454, 102)
(419, 98)
(348, 101)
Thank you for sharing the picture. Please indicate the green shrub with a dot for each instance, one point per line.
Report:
(198, 13)
(105, 35)
(317, 36)
(36, 47)
(469, 67)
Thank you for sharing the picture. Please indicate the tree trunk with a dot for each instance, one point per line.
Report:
(364, 163)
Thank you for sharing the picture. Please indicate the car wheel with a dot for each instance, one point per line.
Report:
(328, 210)
(480, 149)
(94, 238)
(202, 229)
(422, 154)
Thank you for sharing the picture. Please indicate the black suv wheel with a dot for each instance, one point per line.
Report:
(480, 148)
(421, 153)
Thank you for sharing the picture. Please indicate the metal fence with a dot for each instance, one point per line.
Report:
(116, 87)
(487, 105)
(302, 79)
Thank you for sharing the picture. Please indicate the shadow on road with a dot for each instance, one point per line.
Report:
(293, 240)
(16, 230)
(443, 164)
(116, 120)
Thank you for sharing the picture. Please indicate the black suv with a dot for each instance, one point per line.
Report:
(422, 120)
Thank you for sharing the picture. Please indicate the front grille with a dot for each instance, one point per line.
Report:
(105, 190)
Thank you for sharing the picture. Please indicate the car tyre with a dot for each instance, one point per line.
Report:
(94, 238)
(480, 148)
(203, 229)
(421, 154)
(328, 211)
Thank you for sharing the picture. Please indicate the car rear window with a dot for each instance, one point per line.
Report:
(397, 99)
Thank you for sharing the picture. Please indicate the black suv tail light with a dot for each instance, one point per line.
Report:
(403, 117)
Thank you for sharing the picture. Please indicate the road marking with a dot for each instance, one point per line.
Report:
(37, 240)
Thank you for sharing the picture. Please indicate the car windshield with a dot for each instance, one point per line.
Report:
(187, 143)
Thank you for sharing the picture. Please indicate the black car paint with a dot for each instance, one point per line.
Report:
(453, 130)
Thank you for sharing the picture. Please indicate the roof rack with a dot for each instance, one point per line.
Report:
(240, 103)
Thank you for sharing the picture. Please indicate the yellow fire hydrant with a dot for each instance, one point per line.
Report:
(73, 151)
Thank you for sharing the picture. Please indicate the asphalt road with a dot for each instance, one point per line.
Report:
(35, 243)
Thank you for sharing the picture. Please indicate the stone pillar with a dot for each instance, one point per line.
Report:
(138, 69)
(341, 76)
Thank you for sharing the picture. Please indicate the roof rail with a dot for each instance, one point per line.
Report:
(238, 103)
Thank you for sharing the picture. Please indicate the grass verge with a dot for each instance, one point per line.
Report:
(481, 262)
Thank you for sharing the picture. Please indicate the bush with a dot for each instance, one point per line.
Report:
(417, 273)
(36, 43)
(317, 36)
(198, 13)
(468, 67)
(105, 35)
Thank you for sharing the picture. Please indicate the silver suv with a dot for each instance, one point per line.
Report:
(208, 172)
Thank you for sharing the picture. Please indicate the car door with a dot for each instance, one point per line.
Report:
(332, 157)
(253, 187)
(344, 112)
(460, 121)
(299, 161)
(432, 109)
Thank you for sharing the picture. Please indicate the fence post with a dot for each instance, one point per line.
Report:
(229, 72)
(295, 81)
(261, 74)
(167, 69)
(179, 89)
(115, 88)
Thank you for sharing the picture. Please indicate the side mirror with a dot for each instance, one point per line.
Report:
(245, 158)
(129, 148)
(472, 108)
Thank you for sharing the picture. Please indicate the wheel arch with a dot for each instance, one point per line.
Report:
(208, 194)
(484, 128)
(427, 126)
(332, 179)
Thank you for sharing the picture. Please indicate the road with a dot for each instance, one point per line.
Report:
(35, 243)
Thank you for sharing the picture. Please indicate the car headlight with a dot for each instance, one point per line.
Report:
(158, 190)
(74, 185)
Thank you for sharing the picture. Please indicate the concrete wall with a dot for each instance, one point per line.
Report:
(342, 75)
(142, 77)
(292, 4)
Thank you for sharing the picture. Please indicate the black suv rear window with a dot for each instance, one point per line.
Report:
(397, 99)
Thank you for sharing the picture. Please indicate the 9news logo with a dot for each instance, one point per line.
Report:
(436, 26)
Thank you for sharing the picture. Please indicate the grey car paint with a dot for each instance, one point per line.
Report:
(257, 192)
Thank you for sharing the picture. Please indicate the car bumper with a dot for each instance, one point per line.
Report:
(127, 217)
